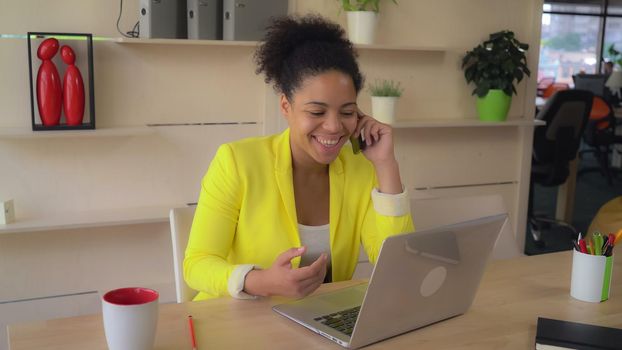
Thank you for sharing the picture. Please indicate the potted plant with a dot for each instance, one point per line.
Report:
(384, 97)
(614, 55)
(362, 16)
(493, 66)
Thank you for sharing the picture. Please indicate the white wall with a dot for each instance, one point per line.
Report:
(141, 84)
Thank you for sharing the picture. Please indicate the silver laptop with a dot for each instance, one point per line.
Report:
(420, 278)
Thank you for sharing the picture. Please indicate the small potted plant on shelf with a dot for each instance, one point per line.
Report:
(493, 66)
(362, 15)
(384, 97)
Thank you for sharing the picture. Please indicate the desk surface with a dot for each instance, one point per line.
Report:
(512, 295)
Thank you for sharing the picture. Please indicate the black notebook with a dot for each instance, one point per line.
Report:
(556, 334)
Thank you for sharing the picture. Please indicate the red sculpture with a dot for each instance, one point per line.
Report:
(73, 88)
(49, 98)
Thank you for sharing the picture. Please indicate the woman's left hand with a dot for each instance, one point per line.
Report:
(378, 138)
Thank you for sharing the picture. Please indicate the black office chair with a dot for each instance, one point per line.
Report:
(554, 146)
(591, 82)
(600, 137)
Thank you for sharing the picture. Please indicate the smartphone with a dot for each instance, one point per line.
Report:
(358, 144)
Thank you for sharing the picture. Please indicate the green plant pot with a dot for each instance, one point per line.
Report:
(494, 106)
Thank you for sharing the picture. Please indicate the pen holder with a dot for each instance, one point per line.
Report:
(591, 277)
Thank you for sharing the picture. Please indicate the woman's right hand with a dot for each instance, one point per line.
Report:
(280, 279)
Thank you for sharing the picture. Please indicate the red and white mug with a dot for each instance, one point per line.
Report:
(130, 318)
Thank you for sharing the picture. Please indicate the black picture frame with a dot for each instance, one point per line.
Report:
(89, 103)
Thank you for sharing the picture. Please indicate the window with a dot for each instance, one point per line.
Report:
(576, 35)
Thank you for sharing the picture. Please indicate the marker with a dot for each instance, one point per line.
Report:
(597, 241)
(605, 245)
(192, 337)
(576, 245)
(590, 244)
(578, 237)
(611, 244)
(582, 246)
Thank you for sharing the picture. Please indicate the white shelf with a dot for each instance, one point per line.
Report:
(383, 47)
(461, 123)
(186, 42)
(100, 218)
(18, 133)
(379, 47)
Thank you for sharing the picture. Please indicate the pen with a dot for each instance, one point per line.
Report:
(590, 245)
(605, 245)
(596, 240)
(582, 246)
(576, 245)
(612, 240)
(192, 337)
(578, 237)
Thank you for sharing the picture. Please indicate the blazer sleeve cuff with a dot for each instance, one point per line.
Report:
(391, 204)
(235, 284)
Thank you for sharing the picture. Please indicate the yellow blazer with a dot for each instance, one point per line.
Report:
(246, 213)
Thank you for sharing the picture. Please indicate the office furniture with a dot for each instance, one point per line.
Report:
(608, 219)
(553, 88)
(543, 84)
(434, 212)
(590, 82)
(181, 222)
(550, 90)
(512, 295)
(566, 114)
(565, 193)
(600, 136)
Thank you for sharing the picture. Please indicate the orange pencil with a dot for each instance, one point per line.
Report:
(618, 237)
(192, 337)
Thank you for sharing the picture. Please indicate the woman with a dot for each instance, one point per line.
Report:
(276, 213)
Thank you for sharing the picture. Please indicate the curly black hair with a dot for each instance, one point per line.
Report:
(295, 48)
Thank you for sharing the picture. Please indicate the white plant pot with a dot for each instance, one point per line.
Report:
(362, 26)
(383, 108)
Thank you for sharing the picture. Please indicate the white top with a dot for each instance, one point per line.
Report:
(317, 239)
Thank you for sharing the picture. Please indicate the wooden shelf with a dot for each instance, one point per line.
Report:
(380, 47)
(186, 42)
(78, 220)
(462, 123)
(383, 47)
(18, 133)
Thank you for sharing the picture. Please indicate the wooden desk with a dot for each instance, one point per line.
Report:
(512, 295)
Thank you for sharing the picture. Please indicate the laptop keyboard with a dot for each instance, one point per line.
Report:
(342, 321)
